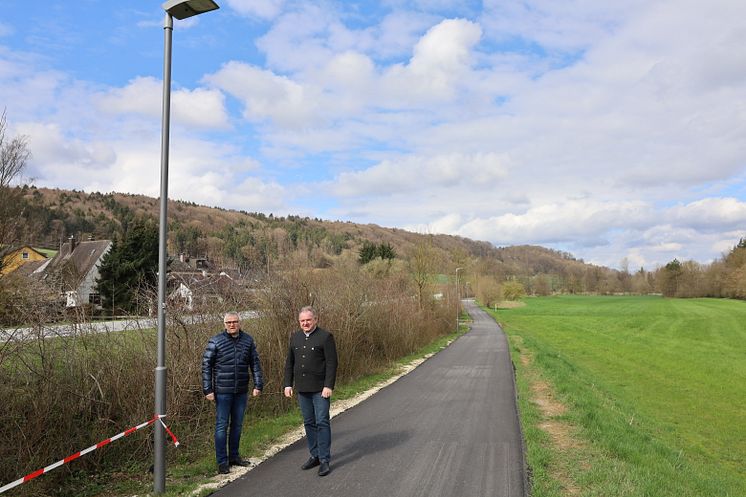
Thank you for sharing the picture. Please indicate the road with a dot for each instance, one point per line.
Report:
(449, 428)
(72, 329)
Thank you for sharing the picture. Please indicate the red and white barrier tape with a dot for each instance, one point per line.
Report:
(83, 452)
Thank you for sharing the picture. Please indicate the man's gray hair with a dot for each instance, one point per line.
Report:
(309, 308)
(232, 314)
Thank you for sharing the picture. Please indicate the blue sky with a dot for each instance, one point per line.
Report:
(612, 130)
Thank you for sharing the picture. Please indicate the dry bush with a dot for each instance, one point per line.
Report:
(374, 320)
(489, 291)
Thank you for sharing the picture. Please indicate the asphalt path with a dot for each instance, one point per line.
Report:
(450, 428)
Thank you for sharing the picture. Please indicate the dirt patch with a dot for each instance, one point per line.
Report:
(559, 431)
(523, 355)
(510, 304)
(543, 397)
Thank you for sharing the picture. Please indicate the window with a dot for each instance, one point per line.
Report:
(25, 255)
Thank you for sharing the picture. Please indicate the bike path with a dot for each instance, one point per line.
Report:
(449, 428)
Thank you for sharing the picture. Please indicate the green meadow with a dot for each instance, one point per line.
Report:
(653, 392)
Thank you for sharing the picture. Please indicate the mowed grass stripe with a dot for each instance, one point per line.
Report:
(648, 381)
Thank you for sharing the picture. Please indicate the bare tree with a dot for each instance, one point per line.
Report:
(14, 154)
(422, 267)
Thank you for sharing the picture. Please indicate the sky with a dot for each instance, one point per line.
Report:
(612, 130)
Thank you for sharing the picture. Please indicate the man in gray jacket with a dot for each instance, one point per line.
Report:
(312, 365)
(229, 360)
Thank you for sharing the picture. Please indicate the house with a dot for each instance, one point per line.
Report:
(14, 258)
(191, 291)
(74, 271)
(190, 266)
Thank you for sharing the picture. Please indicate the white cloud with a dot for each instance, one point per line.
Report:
(395, 35)
(264, 9)
(144, 95)
(310, 27)
(58, 160)
(710, 214)
(348, 85)
(421, 173)
(556, 26)
(441, 58)
(350, 72)
(266, 95)
(553, 223)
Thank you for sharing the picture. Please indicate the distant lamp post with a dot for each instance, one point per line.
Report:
(180, 9)
(458, 297)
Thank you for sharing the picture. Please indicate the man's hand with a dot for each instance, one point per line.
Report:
(288, 391)
(326, 392)
(210, 396)
(255, 392)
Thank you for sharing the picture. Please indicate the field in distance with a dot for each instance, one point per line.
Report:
(633, 396)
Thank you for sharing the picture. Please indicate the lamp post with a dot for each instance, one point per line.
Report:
(180, 9)
(458, 296)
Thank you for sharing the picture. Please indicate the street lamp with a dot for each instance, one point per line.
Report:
(458, 297)
(180, 9)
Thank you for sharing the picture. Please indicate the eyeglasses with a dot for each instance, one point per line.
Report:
(231, 322)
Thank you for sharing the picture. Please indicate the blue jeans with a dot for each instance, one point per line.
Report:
(315, 410)
(230, 409)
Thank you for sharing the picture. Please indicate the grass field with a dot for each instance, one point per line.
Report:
(632, 396)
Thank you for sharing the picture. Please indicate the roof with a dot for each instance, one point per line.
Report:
(84, 255)
(215, 283)
(73, 267)
(16, 256)
(7, 250)
(33, 268)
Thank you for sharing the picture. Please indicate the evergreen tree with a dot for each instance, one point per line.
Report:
(386, 251)
(669, 284)
(130, 266)
(368, 252)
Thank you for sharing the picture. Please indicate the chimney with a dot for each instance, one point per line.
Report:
(72, 244)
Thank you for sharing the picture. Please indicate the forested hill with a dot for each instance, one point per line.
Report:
(248, 239)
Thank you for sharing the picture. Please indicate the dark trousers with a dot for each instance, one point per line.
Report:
(315, 410)
(230, 409)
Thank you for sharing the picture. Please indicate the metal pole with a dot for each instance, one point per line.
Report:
(458, 297)
(159, 466)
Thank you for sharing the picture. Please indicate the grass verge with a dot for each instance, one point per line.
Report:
(631, 396)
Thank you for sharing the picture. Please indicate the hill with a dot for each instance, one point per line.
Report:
(253, 241)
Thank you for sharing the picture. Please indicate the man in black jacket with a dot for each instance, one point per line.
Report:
(229, 359)
(312, 365)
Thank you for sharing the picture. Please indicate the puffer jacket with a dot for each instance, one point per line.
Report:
(228, 362)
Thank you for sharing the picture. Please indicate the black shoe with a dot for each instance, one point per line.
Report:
(312, 461)
(224, 469)
(324, 468)
(241, 462)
